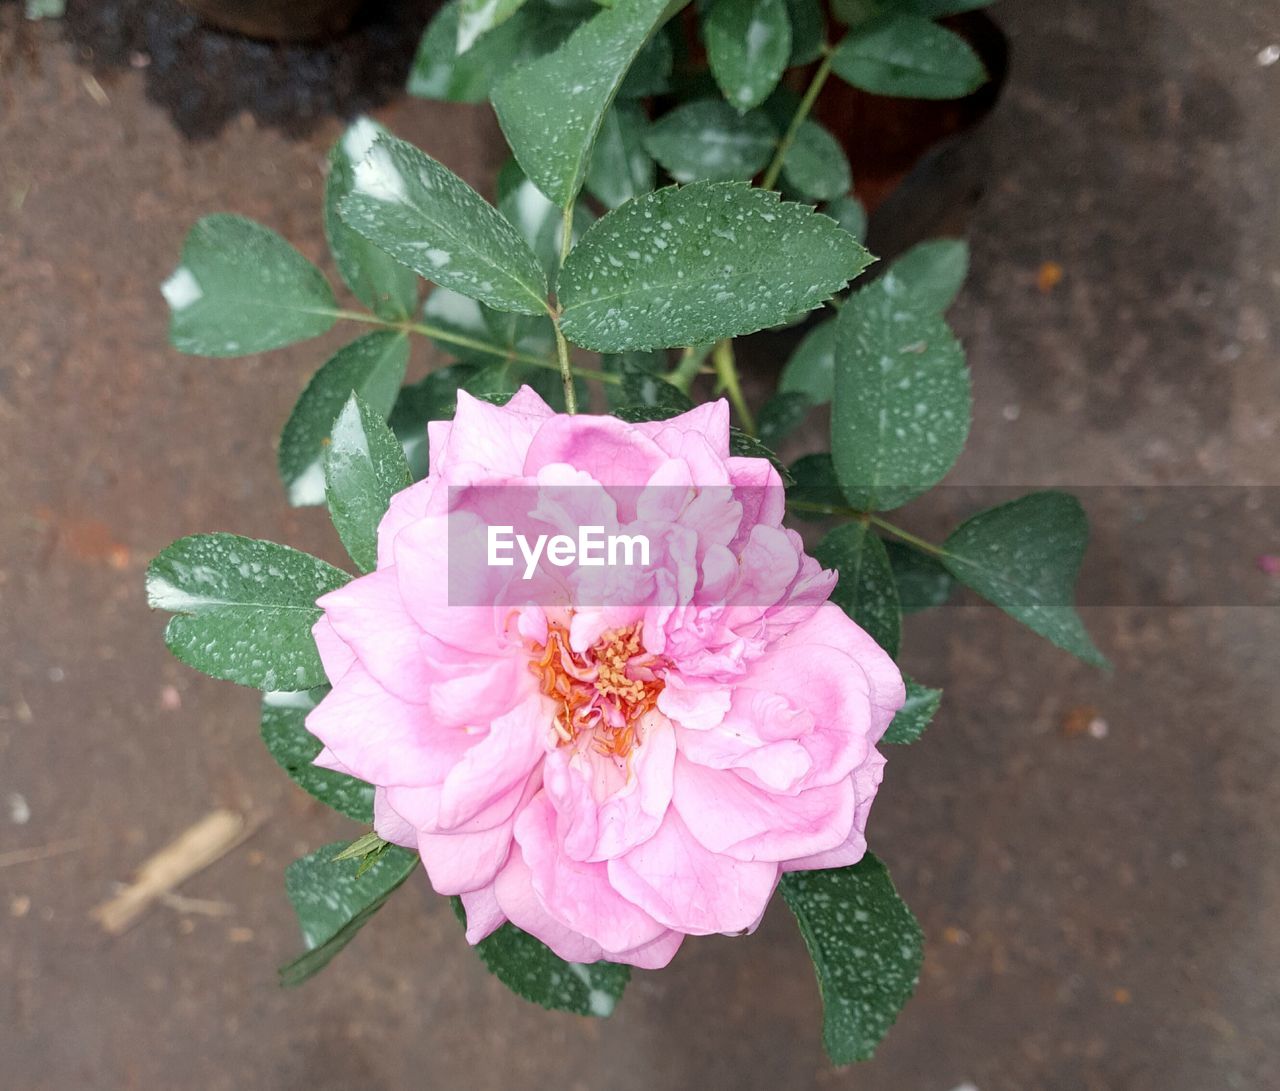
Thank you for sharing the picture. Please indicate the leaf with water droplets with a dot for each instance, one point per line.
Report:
(373, 367)
(294, 748)
(440, 72)
(242, 289)
(690, 265)
(910, 721)
(424, 215)
(901, 410)
(1024, 556)
(866, 949)
(377, 279)
(537, 219)
(781, 415)
(244, 608)
(533, 971)
(478, 17)
(621, 167)
(551, 110)
(334, 899)
(491, 336)
(748, 47)
(814, 490)
(908, 56)
(922, 580)
(364, 467)
(650, 72)
(929, 275)
(812, 366)
(815, 165)
(848, 213)
(866, 590)
(708, 140)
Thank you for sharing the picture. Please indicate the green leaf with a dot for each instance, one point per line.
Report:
(866, 590)
(690, 265)
(808, 31)
(936, 9)
(742, 445)
(811, 369)
(377, 279)
(641, 387)
(440, 73)
(333, 902)
(849, 214)
(621, 168)
(491, 336)
(434, 398)
(533, 971)
(929, 275)
(748, 46)
(815, 165)
(650, 72)
(372, 367)
(552, 108)
(708, 140)
(295, 748)
(912, 718)
(910, 57)
(922, 581)
(536, 218)
(242, 289)
(866, 949)
(364, 468)
(1024, 556)
(244, 608)
(815, 487)
(424, 215)
(477, 17)
(901, 409)
(781, 415)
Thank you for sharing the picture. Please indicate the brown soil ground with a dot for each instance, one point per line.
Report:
(1102, 906)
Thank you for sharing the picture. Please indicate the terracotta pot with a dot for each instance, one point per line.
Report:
(278, 20)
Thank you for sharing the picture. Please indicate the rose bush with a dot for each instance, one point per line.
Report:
(609, 777)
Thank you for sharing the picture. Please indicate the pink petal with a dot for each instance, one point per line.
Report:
(335, 654)
(516, 898)
(503, 759)
(388, 824)
(484, 915)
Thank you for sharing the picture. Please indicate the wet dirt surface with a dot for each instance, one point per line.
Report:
(1093, 857)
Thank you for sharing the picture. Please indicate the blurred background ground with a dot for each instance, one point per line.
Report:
(1093, 858)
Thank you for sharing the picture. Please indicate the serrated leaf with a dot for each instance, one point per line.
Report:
(908, 56)
(708, 140)
(244, 608)
(742, 445)
(690, 265)
(808, 30)
(425, 216)
(928, 277)
(811, 369)
(815, 165)
(537, 219)
(910, 721)
(376, 279)
(849, 214)
(551, 109)
(748, 47)
(815, 489)
(333, 902)
(242, 289)
(364, 467)
(1024, 557)
(434, 398)
(900, 415)
(295, 748)
(439, 72)
(922, 581)
(477, 17)
(866, 949)
(866, 590)
(533, 971)
(781, 415)
(621, 167)
(372, 367)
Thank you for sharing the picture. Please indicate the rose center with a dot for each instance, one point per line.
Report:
(600, 694)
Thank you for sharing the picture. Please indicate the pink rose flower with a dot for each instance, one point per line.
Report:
(610, 778)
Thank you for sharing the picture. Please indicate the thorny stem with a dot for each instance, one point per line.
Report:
(770, 178)
(727, 375)
(566, 368)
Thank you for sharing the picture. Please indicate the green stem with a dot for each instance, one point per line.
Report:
(566, 232)
(690, 366)
(727, 374)
(566, 368)
(907, 536)
(770, 178)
